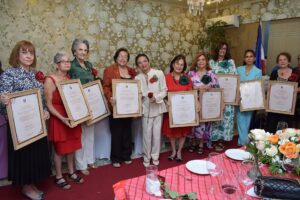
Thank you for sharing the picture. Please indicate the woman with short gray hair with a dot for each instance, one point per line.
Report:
(66, 140)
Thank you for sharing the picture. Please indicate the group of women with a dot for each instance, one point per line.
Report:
(31, 164)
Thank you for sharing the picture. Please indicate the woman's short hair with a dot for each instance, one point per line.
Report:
(286, 54)
(249, 51)
(118, 53)
(58, 56)
(15, 53)
(217, 49)
(176, 59)
(77, 42)
(140, 55)
(194, 63)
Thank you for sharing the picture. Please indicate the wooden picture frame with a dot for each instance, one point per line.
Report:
(253, 92)
(127, 108)
(184, 106)
(25, 112)
(283, 90)
(226, 87)
(78, 97)
(212, 92)
(87, 89)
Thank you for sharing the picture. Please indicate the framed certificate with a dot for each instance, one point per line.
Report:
(182, 111)
(230, 83)
(282, 97)
(252, 95)
(25, 115)
(211, 105)
(74, 100)
(96, 100)
(128, 97)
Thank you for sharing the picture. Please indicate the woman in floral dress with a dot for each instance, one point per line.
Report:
(202, 78)
(223, 64)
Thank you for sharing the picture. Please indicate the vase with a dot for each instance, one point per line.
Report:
(254, 172)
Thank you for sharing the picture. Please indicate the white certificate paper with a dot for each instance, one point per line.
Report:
(75, 101)
(127, 98)
(183, 108)
(26, 116)
(211, 105)
(229, 84)
(281, 97)
(251, 95)
(95, 100)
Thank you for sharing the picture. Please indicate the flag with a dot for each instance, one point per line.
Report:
(259, 50)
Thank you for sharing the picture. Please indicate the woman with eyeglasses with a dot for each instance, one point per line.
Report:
(66, 140)
(83, 70)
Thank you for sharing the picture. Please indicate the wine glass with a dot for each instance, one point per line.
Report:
(245, 176)
(229, 185)
(289, 165)
(214, 167)
(282, 125)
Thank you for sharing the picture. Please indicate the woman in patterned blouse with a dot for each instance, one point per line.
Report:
(30, 164)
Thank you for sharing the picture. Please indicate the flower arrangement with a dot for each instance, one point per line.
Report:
(206, 79)
(40, 77)
(183, 80)
(94, 71)
(153, 79)
(271, 148)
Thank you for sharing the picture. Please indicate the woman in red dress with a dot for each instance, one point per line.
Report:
(177, 81)
(65, 140)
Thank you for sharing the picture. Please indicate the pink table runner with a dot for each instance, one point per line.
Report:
(134, 189)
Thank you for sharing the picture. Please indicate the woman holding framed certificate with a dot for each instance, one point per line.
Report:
(154, 90)
(202, 78)
(247, 72)
(177, 81)
(65, 140)
(284, 73)
(223, 64)
(120, 128)
(30, 164)
(83, 70)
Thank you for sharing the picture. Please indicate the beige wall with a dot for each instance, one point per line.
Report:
(159, 30)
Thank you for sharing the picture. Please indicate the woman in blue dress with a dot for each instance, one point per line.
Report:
(248, 72)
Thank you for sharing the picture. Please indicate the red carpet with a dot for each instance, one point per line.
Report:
(98, 185)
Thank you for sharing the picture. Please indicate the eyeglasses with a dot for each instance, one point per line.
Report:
(64, 62)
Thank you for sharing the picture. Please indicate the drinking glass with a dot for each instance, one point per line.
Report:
(229, 185)
(282, 125)
(244, 176)
(214, 168)
(289, 165)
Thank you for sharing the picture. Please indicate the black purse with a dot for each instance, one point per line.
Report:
(279, 188)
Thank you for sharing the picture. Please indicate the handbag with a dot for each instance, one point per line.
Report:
(274, 187)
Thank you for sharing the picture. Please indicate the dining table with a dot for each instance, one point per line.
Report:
(182, 180)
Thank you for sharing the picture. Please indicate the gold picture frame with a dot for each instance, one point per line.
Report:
(282, 88)
(248, 91)
(78, 95)
(26, 106)
(212, 95)
(137, 96)
(87, 88)
(226, 77)
(183, 103)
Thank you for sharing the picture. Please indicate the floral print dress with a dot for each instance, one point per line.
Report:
(203, 131)
(224, 130)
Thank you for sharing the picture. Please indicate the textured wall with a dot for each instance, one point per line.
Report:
(159, 30)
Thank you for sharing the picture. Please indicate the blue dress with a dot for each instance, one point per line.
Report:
(244, 118)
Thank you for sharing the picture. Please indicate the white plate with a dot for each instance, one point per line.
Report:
(198, 166)
(251, 193)
(238, 154)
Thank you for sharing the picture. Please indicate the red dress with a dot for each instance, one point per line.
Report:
(65, 139)
(174, 86)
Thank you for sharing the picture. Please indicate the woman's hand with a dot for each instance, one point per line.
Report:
(5, 99)
(66, 121)
(112, 101)
(152, 100)
(46, 115)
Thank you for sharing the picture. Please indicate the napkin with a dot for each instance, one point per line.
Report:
(153, 186)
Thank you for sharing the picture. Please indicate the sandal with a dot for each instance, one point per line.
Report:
(219, 147)
(200, 150)
(74, 177)
(192, 148)
(62, 183)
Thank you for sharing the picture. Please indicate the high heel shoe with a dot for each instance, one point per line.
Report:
(26, 194)
(179, 158)
(172, 157)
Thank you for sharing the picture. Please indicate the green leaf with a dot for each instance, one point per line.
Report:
(192, 195)
(173, 194)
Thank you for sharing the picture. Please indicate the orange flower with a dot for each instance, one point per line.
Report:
(273, 139)
(289, 149)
